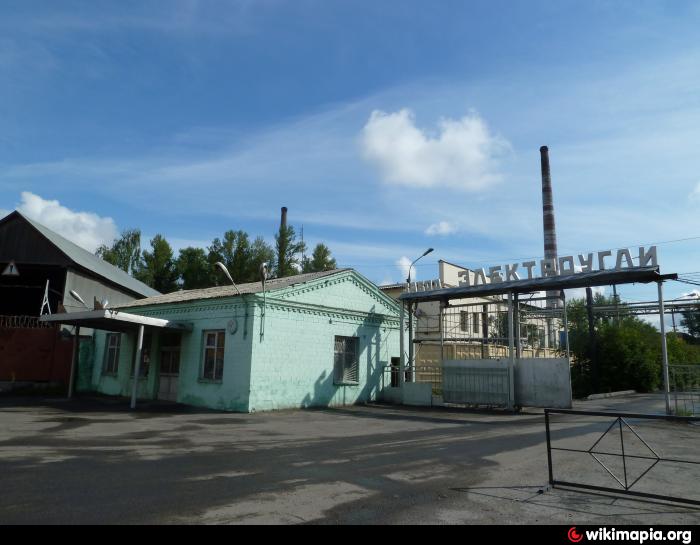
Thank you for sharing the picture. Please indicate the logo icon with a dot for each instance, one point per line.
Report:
(573, 535)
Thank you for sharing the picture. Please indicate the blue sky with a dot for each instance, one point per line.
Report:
(385, 127)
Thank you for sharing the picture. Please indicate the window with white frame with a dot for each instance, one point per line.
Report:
(111, 363)
(475, 320)
(345, 364)
(213, 357)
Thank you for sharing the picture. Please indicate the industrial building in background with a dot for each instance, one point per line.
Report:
(40, 269)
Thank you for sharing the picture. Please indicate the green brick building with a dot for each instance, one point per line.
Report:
(318, 339)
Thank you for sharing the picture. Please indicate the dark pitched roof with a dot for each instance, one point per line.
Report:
(86, 260)
(273, 284)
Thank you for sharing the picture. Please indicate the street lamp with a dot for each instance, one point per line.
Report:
(410, 315)
(228, 275)
(414, 261)
(74, 294)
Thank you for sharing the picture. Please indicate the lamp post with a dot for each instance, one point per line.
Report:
(75, 295)
(76, 348)
(228, 275)
(410, 314)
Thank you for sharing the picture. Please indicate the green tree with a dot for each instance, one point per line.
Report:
(321, 260)
(691, 321)
(260, 252)
(627, 350)
(193, 268)
(158, 268)
(287, 250)
(125, 251)
(236, 253)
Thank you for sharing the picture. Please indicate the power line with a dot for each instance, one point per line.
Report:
(481, 260)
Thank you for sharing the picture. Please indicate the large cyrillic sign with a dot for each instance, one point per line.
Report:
(593, 261)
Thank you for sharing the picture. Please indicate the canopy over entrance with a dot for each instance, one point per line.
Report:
(112, 320)
(475, 322)
(549, 283)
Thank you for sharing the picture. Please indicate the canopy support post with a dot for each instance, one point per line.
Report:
(137, 366)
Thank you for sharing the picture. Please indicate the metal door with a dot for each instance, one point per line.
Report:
(169, 373)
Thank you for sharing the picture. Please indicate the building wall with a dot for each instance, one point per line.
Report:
(284, 359)
(293, 364)
(231, 393)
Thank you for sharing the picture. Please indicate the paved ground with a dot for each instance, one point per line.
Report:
(92, 461)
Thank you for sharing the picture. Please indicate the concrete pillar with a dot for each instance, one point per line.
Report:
(137, 366)
(75, 361)
(511, 353)
(402, 348)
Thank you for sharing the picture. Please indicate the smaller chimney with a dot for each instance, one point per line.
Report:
(283, 220)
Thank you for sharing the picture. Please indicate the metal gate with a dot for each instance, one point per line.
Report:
(650, 456)
(473, 383)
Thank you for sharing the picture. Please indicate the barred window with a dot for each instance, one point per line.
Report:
(475, 318)
(345, 367)
(463, 320)
(213, 358)
(111, 363)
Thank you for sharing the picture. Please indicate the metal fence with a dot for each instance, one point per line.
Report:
(651, 456)
(23, 322)
(684, 384)
(481, 328)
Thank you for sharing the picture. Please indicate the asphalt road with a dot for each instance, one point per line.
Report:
(93, 461)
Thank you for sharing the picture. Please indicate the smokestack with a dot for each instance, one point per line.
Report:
(550, 230)
(283, 220)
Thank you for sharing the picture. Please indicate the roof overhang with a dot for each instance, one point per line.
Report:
(549, 283)
(113, 320)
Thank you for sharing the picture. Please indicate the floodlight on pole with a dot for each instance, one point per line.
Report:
(74, 294)
(228, 275)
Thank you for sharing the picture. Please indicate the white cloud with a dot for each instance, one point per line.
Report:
(403, 263)
(462, 155)
(85, 229)
(695, 194)
(441, 228)
(580, 293)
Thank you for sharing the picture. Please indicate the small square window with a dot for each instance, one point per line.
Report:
(346, 364)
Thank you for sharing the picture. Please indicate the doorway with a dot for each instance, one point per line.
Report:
(169, 372)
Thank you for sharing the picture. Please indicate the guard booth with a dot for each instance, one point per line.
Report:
(504, 343)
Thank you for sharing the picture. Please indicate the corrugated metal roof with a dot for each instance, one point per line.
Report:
(91, 262)
(549, 283)
(273, 284)
(392, 286)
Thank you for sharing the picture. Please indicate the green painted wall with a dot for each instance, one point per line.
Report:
(290, 366)
(293, 362)
(231, 393)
